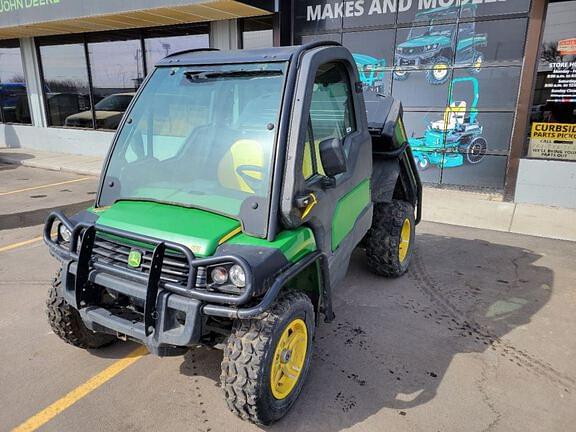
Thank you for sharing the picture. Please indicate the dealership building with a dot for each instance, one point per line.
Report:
(488, 86)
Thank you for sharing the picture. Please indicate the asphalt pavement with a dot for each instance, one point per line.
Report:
(478, 336)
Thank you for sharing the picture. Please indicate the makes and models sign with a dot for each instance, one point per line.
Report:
(359, 8)
(553, 141)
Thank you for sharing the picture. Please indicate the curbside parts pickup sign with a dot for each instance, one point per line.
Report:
(359, 8)
(553, 141)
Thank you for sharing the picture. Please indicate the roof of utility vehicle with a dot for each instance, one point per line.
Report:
(211, 56)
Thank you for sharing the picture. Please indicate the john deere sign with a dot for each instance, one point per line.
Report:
(25, 12)
(13, 5)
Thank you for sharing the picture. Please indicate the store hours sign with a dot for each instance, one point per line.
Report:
(561, 82)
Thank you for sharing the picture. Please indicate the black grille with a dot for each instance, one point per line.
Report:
(175, 267)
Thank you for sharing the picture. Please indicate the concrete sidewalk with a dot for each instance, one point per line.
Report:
(87, 165)
(471, 209)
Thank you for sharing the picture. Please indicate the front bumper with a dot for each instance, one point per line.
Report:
(177, 319)
(166, 314)
(408, 61)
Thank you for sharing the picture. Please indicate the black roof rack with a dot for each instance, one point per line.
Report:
(177, 53)
(214, 56)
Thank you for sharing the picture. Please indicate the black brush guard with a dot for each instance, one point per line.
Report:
(85, 278)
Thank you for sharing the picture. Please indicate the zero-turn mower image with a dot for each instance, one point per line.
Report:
(430, 45)
(455, 139)
(235, 191)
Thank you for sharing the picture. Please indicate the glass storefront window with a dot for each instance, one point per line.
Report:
(95, 91)
(13, 95)
(117, 72)
(552, 133)
(159, 47)
(257, 32)
(66, 84)
(455, 66)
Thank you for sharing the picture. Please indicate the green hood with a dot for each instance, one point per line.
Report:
(423, 41)
(200, 230)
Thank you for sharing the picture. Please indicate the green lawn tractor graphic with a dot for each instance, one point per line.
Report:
(431, 45)
(370, 69)
(455, 139)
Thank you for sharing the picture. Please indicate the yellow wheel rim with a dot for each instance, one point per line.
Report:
(289, 358)
(405, 235)
(440, 71)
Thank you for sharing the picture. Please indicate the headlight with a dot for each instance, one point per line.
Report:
(64, 232)
(219, 275)
(238, 276)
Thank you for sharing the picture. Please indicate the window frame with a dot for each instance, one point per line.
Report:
(309, 140)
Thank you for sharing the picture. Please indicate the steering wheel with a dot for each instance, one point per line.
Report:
(246, 173)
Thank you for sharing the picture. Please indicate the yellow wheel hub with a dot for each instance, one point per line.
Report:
(289, 359)
(405, 235)
(440, 71)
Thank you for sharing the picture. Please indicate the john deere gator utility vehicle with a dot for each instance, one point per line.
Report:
(235, 191)
(434, 46)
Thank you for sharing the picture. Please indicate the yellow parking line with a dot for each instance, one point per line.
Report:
(45, 186)
(78, 393)
(20, 244)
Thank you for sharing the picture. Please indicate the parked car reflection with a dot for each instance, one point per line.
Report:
(14, 103)
(108, 113)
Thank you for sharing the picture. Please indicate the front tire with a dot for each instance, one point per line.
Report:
(390, 241)
(67, 323)
(266, 360)
(400, 75)
(423, 163)
(440, 72)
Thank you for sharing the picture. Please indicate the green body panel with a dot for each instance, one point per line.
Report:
(348, 210)
(294, 244)
(199, 230)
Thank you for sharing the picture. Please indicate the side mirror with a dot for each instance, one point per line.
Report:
(333, 157)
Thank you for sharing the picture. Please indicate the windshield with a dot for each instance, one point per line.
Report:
(114, 103)
(432, 30)
(202, 137)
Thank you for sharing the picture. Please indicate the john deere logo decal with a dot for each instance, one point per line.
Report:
(135, 258)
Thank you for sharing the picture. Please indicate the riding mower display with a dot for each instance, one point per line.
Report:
(455, 139)
(430, 45)
(236, 189)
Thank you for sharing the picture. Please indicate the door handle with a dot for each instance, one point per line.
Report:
(306, 204)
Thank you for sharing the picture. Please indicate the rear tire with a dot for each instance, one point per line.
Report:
(252, 353)
(67, 323)
(476, 151)
(390, 241)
